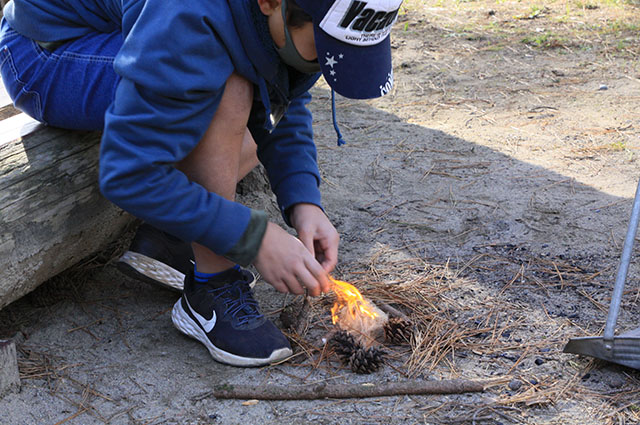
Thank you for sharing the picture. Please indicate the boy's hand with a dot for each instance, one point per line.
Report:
(288, 266)
(316, 233)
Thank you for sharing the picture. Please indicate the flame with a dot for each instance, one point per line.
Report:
(348, 296)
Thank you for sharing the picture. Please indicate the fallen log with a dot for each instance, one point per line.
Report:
(334, 390)
(52, 214)
(9, 376)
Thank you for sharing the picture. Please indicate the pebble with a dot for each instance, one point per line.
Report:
(603, 87)
(515, 384)
(616, 382)
(539, 361)
(509, 356)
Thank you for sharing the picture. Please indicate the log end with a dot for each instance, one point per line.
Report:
(9, 376)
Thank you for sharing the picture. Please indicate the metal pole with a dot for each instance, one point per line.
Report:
(618, 289)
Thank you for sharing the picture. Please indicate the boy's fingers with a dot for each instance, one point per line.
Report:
(330, 258)
(319, 275)
(293, 285)
(307, 240)
(280, 287)
(309, 282)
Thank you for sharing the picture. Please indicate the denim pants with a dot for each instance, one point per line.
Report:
(69, 87)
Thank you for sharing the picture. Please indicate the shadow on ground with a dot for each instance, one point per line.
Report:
(97, 347)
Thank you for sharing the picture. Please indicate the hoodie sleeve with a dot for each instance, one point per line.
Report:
(289, 156)
(169, 92)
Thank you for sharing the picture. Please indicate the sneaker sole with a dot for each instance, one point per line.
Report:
(140, 267)
(185, 324)
(145, 268)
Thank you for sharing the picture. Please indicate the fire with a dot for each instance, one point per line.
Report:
(349, 298)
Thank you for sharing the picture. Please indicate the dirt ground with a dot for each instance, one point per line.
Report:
(487, 197)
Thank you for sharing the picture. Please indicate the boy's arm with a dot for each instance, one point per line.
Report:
(145, 136)
(289, 156)
(174, 66)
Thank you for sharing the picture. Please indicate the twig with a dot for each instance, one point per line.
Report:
(75, 415)
(392, 311)
(315, 392)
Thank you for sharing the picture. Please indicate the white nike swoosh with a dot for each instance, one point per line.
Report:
(206, 324)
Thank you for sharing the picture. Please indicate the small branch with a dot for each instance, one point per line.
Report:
(392, 311)
(320, 391)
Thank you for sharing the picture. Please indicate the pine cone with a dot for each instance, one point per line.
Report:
(344, 344)
(366, 360)
(289, 316)
(398, 331)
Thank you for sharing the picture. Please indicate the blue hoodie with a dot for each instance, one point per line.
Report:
(174, 62)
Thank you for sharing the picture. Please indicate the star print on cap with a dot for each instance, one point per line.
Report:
(331, 61)
(355, 37)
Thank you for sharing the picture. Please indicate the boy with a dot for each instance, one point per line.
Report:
(201, 91)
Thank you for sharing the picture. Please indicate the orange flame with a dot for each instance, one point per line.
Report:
(348, 296)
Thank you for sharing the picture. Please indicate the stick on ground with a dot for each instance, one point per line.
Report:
(392, 311)
(320, 391)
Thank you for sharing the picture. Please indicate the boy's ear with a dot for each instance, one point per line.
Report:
(268, 7)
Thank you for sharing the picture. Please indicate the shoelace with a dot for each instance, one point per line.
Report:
(239, 301)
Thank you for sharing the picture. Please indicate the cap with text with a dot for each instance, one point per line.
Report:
(353, 44)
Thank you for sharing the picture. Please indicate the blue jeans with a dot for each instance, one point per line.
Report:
(70, 87)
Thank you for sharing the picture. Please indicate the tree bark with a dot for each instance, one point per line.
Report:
(52, 214)
(9, 376)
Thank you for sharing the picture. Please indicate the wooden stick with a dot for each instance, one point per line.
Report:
(324, 390)
(392, 311)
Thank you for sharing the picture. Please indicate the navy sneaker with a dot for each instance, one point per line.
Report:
(223, 315)
(157, 257)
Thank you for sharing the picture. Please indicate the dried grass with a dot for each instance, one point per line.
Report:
(464, 329)
(38, 365)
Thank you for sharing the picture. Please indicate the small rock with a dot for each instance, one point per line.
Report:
(603, 87)
(533, 381)
(616, 381)
(515, 384)
(539, 361)
(509, 356)
(586, 376)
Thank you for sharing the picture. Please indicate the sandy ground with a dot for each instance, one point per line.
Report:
(487, 197)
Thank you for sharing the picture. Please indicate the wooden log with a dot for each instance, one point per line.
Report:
(52, 214)
(9, 376)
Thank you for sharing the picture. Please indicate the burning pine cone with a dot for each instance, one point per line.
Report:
(398, 331)
(366, 360)
(344, 344)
